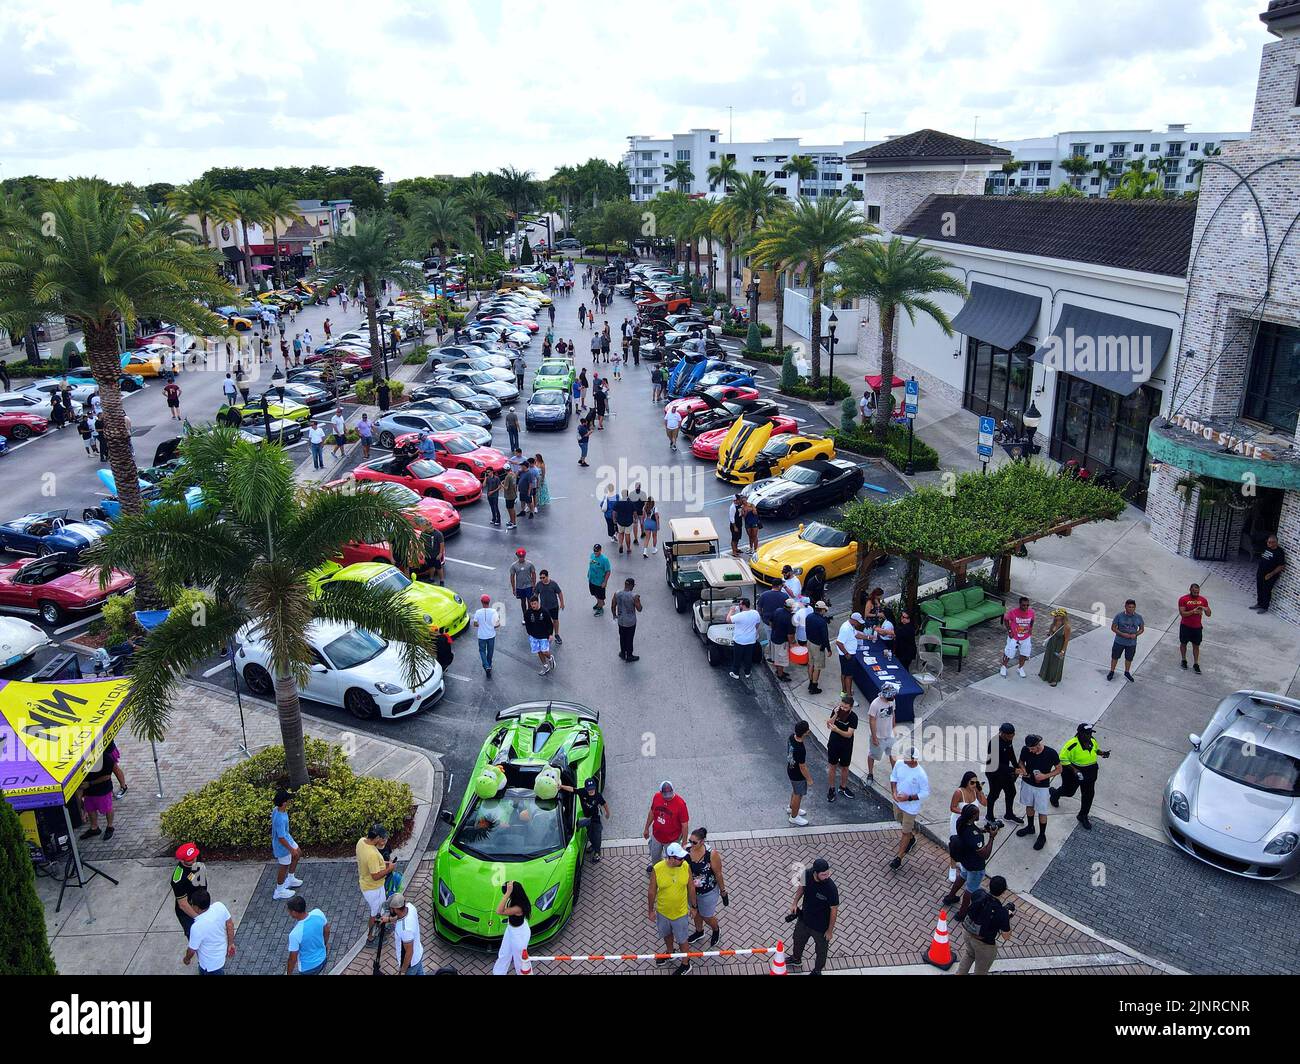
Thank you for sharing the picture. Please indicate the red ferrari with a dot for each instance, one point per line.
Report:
(723, 393)
(441, 515)
(456, 452)
(424, 476)
(19, 425)
(55, 586)
(707, 443)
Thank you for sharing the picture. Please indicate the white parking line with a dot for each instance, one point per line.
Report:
(217, 668)
(474, 564)
(453, 676)
(486, 528)
(78, 624)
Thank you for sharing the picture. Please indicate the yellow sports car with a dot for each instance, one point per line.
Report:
(814, 547)
(141, 363)
(751, 452)
(280, 409)
(440, 606)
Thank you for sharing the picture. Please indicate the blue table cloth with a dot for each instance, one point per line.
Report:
(871, 670)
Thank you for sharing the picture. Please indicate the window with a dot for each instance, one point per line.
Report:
(1273, 379)
(1208, 147)
(713, 138)
(1078, 151)
(809, 192)
(1175, 150)
(1101, 429)
(1097, 149)
(1138, 147)
(780, 175)
(859, 177)
(1042, 182)
(873, 213)
(1045, 166)
(683, 155)
(1193, 146)
(997, 382)
(730, 155)
(665, 155)
(1190, 179)
(760, 173)
(713, 155)
(1095, 181)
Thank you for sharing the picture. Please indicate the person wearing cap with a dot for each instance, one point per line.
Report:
(790, 582)
(486, 621)
(212, 935)
(987, 925)
(593, 804)
(516, 934)
(284, 849)
(309, 940)
(510, 493)
(372, 870)
(407, 947)
(1039, 765)
(188, 876)
(667, 821)
(1001, 767)
(670, 901)
(842, 725)
(846, 646)
(781, 638)
(880, 721)
(818, 635)
(1079, 771)
(816, 904)
(598, 569)
(523, 575)
(910, 787)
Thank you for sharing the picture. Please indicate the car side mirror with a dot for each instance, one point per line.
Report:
(318, 667)
(447, 817)
(1195, 740)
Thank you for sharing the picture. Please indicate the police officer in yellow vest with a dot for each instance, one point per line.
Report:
(1079, 771)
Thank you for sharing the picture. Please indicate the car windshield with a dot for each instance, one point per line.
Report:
(424, 469)
(776, 449)
(553, 369)
(1253, 765)
(398, 494)
(548, 398)
(801, 475)
(823, 535)
(461, 391)
(390, 579)
(459, 445)
(514, 825)
(354, 648)
(482, 378)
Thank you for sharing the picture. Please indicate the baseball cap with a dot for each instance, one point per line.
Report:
(674, 849)
(485, 599)
(858, 617)
(666, 787)
(911, 754)
(187, 852)
(1086, 727)
(590, 785)
(396, 901)
(820, 605)
(889, 691)
(520, 552)
(821, 865)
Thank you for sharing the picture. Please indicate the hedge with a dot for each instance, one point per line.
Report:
(770, 355)
(365, 390)
(24, 944)
(739, 332)
(233, 812)
(804, 390)
(893, 450)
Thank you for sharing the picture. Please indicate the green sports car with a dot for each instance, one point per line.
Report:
(279, 409)
(554, 373)
(441, 606)
(510, 829)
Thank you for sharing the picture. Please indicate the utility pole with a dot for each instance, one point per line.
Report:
(864, 125)
(976, 131)
(731, 129)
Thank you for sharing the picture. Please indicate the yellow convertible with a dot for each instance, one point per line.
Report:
(814, 547)
(440, 606)
(751, 452)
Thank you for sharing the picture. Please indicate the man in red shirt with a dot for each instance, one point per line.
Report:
(1192, 609)
(668, 821)
(1019, 623)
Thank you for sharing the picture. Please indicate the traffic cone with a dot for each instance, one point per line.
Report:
(940, 953)
(526, 967)
(778, 961)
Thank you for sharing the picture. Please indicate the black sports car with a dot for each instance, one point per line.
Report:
(719, 415)
(807, 486)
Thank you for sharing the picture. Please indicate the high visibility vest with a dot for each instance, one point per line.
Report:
(1074, 753)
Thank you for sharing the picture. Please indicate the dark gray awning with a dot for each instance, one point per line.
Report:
(997, 316)
(1115, 353)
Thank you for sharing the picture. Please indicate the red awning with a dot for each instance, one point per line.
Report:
(875, 379)
(267, 249)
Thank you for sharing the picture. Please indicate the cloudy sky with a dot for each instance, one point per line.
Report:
(155, 90)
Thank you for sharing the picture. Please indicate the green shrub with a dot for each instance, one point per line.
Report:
(119, 619)
(789, 375)
(741, 332)
(848, 412)
(893, 450)
(804, 390)
(24, 945)
(770, 355)
(415, 358)
(233, 811)
(365, 390)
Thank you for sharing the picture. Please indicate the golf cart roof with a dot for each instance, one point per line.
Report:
(726, 572)
(692, 530)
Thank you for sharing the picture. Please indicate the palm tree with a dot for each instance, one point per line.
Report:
(814, 233)
(363, 260)
(723, 224)
(897, 275)
(563, 183)
(551, 207)
(201, 199)
(281, 205)
(94, 263)
(1198, 165)
(1138, 183)
(482, 205)
(803, 168)
(517, 188)
(1009, 168)
(679, 173)
(752, 199)
(779, 269)
(165, 220)
(1103, 168)
(1076, 166)
(722, 173)
(250, 209)
(251, 546)
(441, 224)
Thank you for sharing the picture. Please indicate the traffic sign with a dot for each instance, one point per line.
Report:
(912, 398)
(987, 427)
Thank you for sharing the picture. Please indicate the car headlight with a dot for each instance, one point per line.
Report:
(384, 687)
(457, 599)
(445, 895)
(1283, 844)
(1180, 806)
(548, 899)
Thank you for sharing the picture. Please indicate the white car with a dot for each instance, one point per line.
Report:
(43, 389)
(19, 640)
(28, 404)
(355, 669)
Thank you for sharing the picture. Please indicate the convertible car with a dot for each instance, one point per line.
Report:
(55, 587)
(111, 507)
(440, 606)
(422, 475)
(814, 547)
(807, 486)
(718, 394)
(49, 532)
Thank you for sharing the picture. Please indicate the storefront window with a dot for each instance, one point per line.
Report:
(1273, 381)
(1102, 430)
(997, 381)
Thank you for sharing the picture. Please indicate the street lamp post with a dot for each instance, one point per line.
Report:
(830, 343)
(1029, 422)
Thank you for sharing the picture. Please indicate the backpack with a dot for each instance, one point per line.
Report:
(981, 909)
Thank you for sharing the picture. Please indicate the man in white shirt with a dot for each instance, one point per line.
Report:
(316, 437)
(880, 721)
(867, 408)
(339, 429)
(790, 581)
(228, 388)
(801, 612)
(846, 645)
(745, 621)
(407, 946)
(672, 425)
(486, 621)
(910, 787)
(212, 935)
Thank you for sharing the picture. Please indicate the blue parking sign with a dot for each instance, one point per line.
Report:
(912, 397)
(987, 427)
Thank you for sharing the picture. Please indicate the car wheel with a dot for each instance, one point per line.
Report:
(19, 432)
(715, 654)
(679, 602)
(386, 439)
(360, 704)
(44, 550)
(50, 612)
(258, 680)
(789, 511)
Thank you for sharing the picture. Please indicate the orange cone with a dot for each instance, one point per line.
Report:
(940, 952)
(778, 961)
(526, 968)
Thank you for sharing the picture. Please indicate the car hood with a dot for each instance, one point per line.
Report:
(477, 883)
(772, 489)
(741, 444)
(1236, 810)
(457, 480)
(788, 550)
(547, 412)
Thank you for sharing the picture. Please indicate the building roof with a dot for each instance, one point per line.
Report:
(1150, 236)
(928, 145)
(1281, 13)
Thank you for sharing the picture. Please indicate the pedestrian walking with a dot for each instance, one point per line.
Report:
(1039, 765)
(212, 935)
(584, 441)
(486, 622)
(671, 900)
(880, 722)
(744, 621)
(909, 786)
(366, 431)
(518, 365)
(1193, 608)
(297, 349)
(516, 908)
(510, 492)
(172, 393)
(537, 623)
(624, 515)
(672, 426)
(595, 348)
(649, 527)
(1127, 626)
(710, 886)
(1268, 567)
(523, 575)
(1079, 772)
(188, 877)
(597, 577)
(667, 822)
(512, 428)
(1058, 638)
(582, 315)
(408, 950)
(815, 909)
(372, 870)
(309, 940)
(608, 507)
(383, 395)
(1019, 623)
(842, 726)
(627, 604)
(339, 428)
(316, 438)
(796, 771)
(284, 849)
(551, 598)
(1001, 770)
(987, 923)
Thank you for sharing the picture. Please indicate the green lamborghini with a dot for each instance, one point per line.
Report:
(515, 824)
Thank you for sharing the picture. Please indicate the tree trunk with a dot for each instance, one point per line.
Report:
(376, 348)
(248, 256)
(888, 315)
(289, 710)
(753, 299)
(778, 331)
(726, 253)
(815, 325)
(911, 582)
(203, 228)
(275, 249)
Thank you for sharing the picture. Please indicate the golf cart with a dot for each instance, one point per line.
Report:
(694, 540)
(723, 581)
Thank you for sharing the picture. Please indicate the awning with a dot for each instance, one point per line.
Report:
(233, 253)
(874, 381)
(1110, 351)
(997, 316)
(267, 249)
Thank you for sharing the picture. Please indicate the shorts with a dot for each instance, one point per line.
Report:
(884, 747)
(286, 860)
(799, 786)
(374, 899)
(816, 657)
(553, 612)
(844, 665)
(1024, 648)
(98, 803)
(706, 904)
(1035, 799)
(973, 877)
(523, 594)
(906, 820)
(679, 928)
(597, 591)
(1116, 651)
(839, 755)
(1187, 634)
(778, 653)
(340, 439)
(539, 646)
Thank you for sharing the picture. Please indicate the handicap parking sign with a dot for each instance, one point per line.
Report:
(987, 426)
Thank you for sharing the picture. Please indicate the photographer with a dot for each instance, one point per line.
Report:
(970, 848)
(987, 923)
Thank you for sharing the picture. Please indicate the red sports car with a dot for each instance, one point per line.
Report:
(19, 425)
(721, 392)
(441, 515)
(456, 452)
(423, 475)
(56, 586)
(355, 356)
(707, 443)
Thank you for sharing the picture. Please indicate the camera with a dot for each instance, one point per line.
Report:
(1010, 907)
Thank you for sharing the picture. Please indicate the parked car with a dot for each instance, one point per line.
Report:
(398, 423)
(440, 606)
(315, 397)
(456, 409)
(422, 475)
(809, 486)
(725, 414)
(549, 408)
(483, 382)
(814, 548)
(487, 365)
(462, 393)
(20, 425)
(454, 451)
(708, 445)
(718, 393)
(568, 244)
(45, 388)
(22, 402)
(56, 587)
(19, 640)
(50, 532)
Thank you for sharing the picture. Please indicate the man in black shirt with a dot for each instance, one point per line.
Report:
(188, 876)
(769, 602)
(1039, 765)
(782, 638)
(433, 548)
(796, 770)
(843, 723)
(593, 804)
(987, 921)
(1001, 771)
(538, 625)
(1269, 566)
(817, 915)
(819, 644)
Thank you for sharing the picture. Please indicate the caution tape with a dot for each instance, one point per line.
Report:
(757, 951)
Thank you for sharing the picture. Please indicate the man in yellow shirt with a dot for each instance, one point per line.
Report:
(372, 870)
(670, 902)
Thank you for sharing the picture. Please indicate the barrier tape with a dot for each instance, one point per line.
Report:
(757, 951)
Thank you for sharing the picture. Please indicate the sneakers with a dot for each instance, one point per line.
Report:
(1195, 668)
(683, 969)
(714, 937)
(1040, 842)
(1129, 676)
(896, 864)
(784, 677)
(488, 673)
(125, 788)
(847, 793)
(511, 525)
(1013, 818)
(633, 657)
(830, 794)
(1020, 673)
(1183, 664)
(1084, 821)
(661, 961)
(1025, 832)
(813, 689)
(1002, 671)
(1055, 797)
(292, 881)
(952, 875)
(644, 553)
(734, 675)
(799, 821)
(90, 834)
(108, 833)
(695, 936)
(282, 894)
(559, 641)
(1110, 675)
(911, 844)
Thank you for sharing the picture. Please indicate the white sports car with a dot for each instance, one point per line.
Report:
(19, 639)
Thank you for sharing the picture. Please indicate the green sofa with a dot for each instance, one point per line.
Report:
(960, 611)
(950, 646)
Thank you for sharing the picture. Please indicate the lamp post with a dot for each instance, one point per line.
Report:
(1029, 421)
(830, 343)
